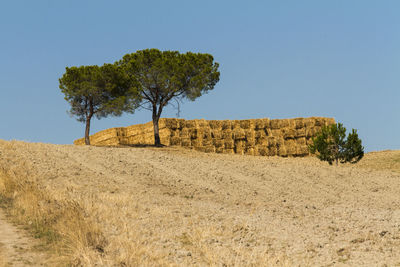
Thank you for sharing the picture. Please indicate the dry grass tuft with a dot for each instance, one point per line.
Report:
(60, 223)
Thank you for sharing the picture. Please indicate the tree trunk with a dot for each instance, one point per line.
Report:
(157, 141)
(87, 130)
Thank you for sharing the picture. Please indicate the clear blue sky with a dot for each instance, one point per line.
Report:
(278, 59)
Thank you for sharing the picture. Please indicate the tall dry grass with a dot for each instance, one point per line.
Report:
(61, 224)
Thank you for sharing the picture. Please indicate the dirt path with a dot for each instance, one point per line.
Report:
(16, 246)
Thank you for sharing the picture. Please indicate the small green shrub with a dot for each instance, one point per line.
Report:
(330, 145)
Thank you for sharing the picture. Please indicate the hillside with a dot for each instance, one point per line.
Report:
(128, 206)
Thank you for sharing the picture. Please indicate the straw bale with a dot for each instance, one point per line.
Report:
(208, 149)
(197, 143)
(310, 132)
(272, 141)
(207, 142)
(235, 124)
(186, 141)
(172, 123)
(262, 150)
(263, 141)
(227, 134)
(203, 123)
(215, 124)
(229, 143)
(259, 124)
(260, 134)
(190, 124)
(206, 133)
(240, 144)
(239, 134)
(309, 141)
(227, 124)
(246, 124)
(175, 141)
(301, 141)
(229, 151)
(302, 150)
(275, 124)
(195, 133)
(239, 150)
(218, 143)
(299, 123)
(300, 133)
(277, 132)
(185, 133)
(272, 151)
(288, 133)
(250, 151)
(219, 150)
(250, 142)
(250, 134)
(279, 141)
(282, 151)
(216, 134)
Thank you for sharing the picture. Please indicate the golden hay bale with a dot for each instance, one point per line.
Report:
(277, 133)
(197, 143)
(259, 124)
(227, 124)
(282, 151)
(186, 142)
(262, 150)
(215, 124)
(239, 150)
(227, 134)
(229, 151)
(300, 133)
(206, 133)
(190, 124)
(246, 124)
(207, 142)
(272, 151)
(288, 133)
(184, 133)
(310, 132)
(235, 124)
(218, 143)
(301, 141)
(172, 123)
(250, 151)
(250, 134)
(175, 141)
(229, 143)
(260, 134)
(250, 142)
(219, 150)
(299, 123)
(275, 124)
(263, 141)
(302, 150)
(272, 141)
(216, 134)
(238, 134)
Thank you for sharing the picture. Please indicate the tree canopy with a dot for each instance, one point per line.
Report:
(330, 145)
(98, 91)
(162, 76)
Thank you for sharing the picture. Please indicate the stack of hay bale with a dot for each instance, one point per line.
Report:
(265, 137)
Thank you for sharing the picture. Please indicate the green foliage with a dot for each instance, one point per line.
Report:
(163, 76)
(99, 91)
(330, 145)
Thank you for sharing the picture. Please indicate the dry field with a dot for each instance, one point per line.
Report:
(108, 206)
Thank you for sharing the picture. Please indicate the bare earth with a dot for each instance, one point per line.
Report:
(174, 206)
(16, 246)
